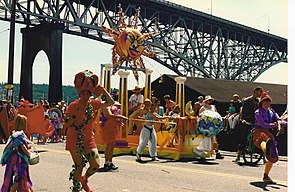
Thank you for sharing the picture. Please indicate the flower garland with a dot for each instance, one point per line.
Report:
(78, 128)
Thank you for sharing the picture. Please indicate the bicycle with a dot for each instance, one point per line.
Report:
(251, 154)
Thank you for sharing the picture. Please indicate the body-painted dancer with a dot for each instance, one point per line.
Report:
(80, 117)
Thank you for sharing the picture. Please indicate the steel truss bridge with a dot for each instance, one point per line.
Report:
(189, 42)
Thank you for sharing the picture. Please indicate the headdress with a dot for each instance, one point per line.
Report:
(85, 81)
(264, 96)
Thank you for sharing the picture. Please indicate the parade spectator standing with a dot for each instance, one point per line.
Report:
(3, 136)
(11, 112)
(175, 112)
(198, 105)
(160, 108)
(250, 104)
(135, 100)
(208, 105)
(135, 104)
(111, 121)
(234, 118)
(80, 117)
(63, 107)
(169, 104)
(265, 127)
(16, 156)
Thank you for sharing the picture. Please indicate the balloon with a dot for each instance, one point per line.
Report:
(209, 123)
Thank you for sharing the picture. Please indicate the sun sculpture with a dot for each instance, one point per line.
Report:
(129, 43)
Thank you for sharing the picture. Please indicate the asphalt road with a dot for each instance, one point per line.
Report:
(51, 174)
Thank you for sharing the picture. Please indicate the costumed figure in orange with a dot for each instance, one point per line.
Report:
(111, 121)
(79, 118)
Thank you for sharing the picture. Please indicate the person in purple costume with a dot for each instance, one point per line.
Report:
(16, 158)
(267, 122)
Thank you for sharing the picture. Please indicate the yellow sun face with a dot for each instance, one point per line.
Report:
(131, 43)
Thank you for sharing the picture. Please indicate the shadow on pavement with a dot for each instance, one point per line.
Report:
(193, 160)
(103, 170)
(265, 186)
(41, 151)
(247, 164)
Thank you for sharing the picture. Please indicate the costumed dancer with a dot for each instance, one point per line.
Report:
(55, 122)
(266, 125)
(148, 134)
(209, 125)
(111, 121)
(16, 156)
(49, 129)
(80, 117)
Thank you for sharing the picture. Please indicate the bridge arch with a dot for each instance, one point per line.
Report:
(41, 69)
(46, 37)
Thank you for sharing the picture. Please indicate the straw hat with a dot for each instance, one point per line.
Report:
(137, 87)
(167, 96)
(208, 97)
(61, 102)
(147, 101)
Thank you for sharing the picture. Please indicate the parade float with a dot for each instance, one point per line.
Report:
(187, 136)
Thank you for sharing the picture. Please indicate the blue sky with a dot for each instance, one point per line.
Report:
(81, 53)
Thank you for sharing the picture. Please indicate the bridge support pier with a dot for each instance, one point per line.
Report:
(46, 37)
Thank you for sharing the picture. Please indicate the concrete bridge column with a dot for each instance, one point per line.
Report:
(46, 37)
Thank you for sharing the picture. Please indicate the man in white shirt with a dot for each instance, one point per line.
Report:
(135, 100)
(135, 103)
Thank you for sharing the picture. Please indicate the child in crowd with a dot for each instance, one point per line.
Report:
(16, 156)
(231, 111)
